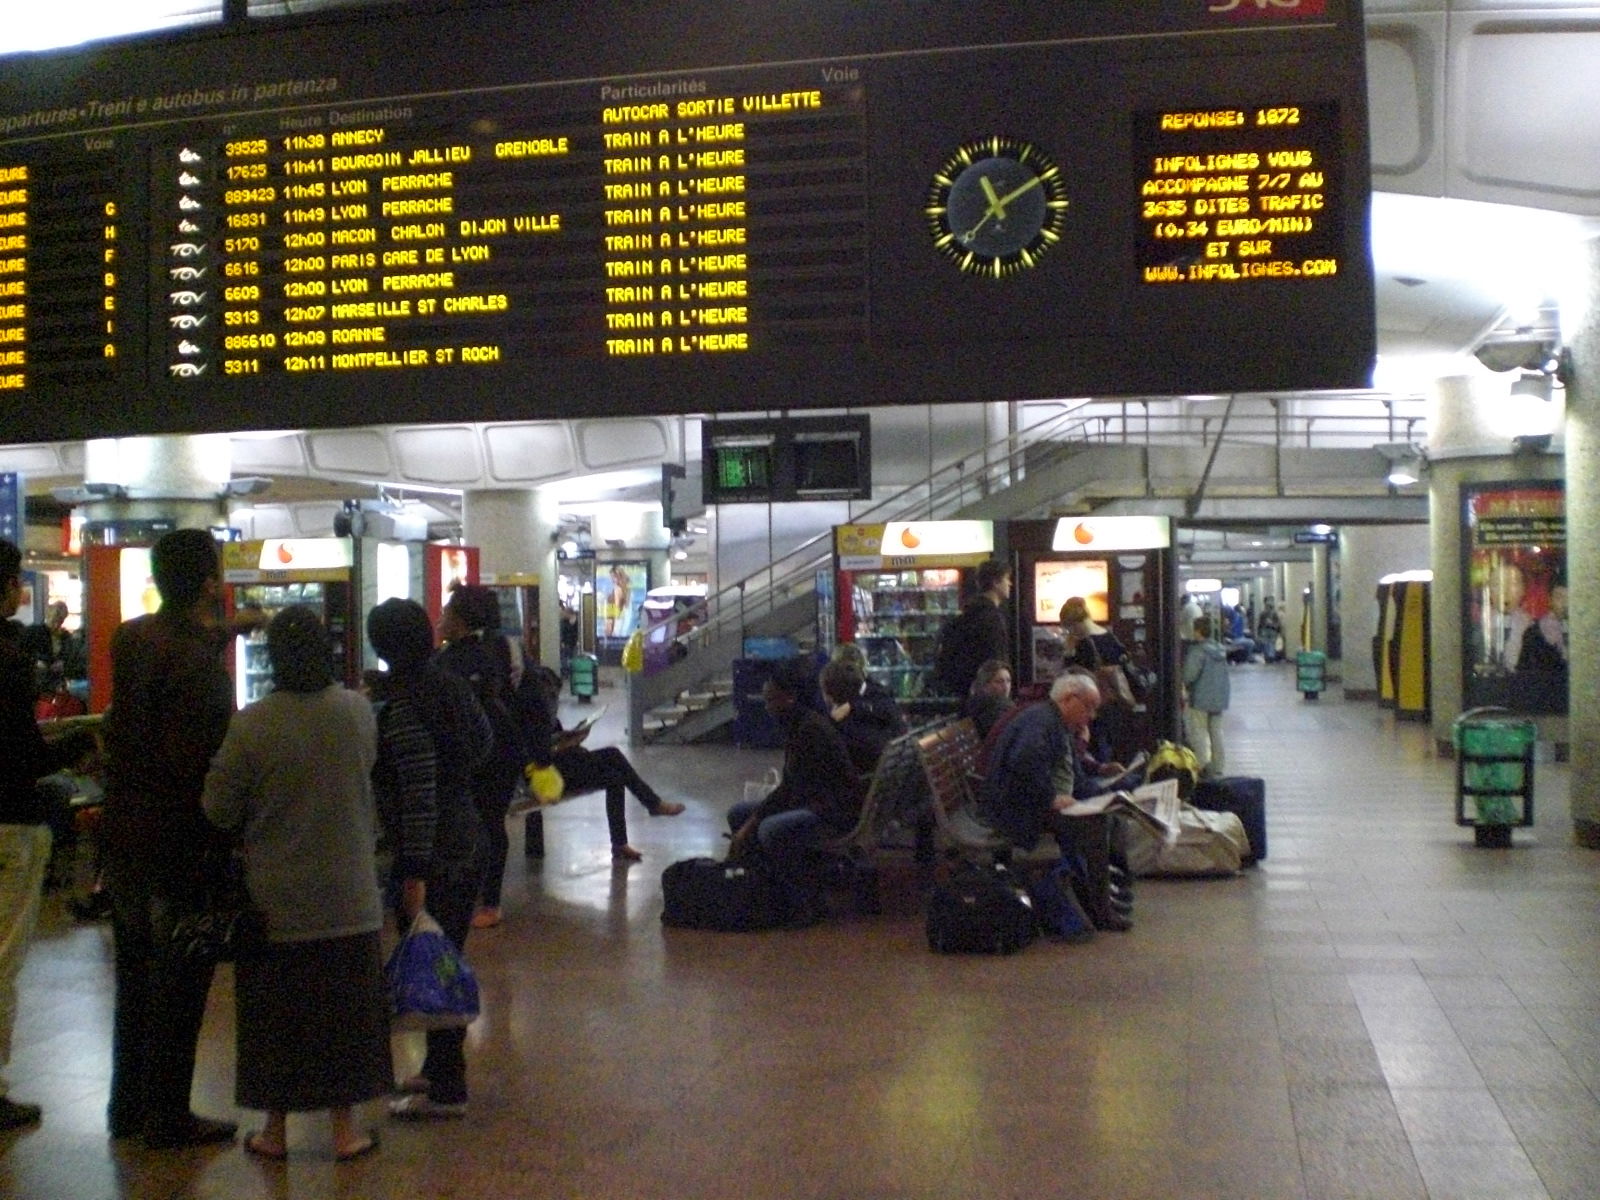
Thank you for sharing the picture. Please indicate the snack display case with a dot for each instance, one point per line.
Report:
(279, 572)
(898, 583)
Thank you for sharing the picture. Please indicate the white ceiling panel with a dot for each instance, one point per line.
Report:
(528, 451)
(363, 453)
(448, 455)
(607, 445)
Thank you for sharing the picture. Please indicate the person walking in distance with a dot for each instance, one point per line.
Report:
(171, 700)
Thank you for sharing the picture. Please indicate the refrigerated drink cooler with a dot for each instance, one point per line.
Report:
(897, 584)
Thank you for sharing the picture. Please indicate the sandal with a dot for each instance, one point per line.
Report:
(254, 1145)
(667, 808)
(365, 1148)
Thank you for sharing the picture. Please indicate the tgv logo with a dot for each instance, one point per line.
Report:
(1268, 8)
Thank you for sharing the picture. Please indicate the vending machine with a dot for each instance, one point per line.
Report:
(1124, 569)
(273, 574)
(897, 584)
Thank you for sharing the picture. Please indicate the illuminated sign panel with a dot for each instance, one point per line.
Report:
(1239, 194)
(504, 212)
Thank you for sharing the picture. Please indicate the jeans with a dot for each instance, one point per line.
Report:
(1203, 731)
(585, 770)
(24, 853)
(492, 790)
(452, 894)
(789, 841)
(160, 1003)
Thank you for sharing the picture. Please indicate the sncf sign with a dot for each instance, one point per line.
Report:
(1267, 8)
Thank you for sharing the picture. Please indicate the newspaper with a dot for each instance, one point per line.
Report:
(1153, 805)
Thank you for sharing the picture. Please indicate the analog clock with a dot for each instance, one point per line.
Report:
(996, 205)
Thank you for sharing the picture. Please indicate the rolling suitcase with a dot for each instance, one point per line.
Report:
(736, 897)
(1246, 797)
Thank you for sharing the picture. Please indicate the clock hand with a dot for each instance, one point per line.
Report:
(1013, 194)
(997, 206)
(997, 203)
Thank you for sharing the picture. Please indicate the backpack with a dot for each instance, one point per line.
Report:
(1172, 761)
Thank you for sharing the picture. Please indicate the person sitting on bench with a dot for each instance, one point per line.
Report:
(1035, 771)
(866, 721)
(584, 770)
(819, 796)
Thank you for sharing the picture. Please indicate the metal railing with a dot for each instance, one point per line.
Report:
(730, 611)
(1256, 420)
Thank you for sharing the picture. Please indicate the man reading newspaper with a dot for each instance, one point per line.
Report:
(1035, 778)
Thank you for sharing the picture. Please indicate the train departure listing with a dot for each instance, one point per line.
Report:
(1233, 195)
(637, 231)
(61, 273)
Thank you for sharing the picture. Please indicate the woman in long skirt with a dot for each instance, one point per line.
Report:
(292, 780)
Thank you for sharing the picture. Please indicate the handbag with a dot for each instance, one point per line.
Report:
(430, 984)
(545, 783)
(226, 927)
(1112, 680)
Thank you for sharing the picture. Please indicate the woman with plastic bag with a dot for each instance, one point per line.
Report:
(432, 733)
(292, 778)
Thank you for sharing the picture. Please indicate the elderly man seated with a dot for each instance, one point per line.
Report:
(1035, 772)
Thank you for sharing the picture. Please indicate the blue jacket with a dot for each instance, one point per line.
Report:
(1205, 671)
(1019, 792)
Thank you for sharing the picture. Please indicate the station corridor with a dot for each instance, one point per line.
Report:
(1381, 1009)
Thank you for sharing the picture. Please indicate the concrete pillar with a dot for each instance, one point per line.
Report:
(1296, 578)
(515, 531)
(1322, 590)
(1471, 423)
(1583, 547)
(179, 478)
(1366, 554)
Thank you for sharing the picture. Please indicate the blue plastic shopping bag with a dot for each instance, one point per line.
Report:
(430, 984)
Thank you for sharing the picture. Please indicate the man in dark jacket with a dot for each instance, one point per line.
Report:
(1035, 771)
(819, 796)
(432, 737)
(171, 699)
(24, 835)
(980, 632)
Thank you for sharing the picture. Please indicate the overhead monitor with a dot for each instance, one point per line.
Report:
(507, 211)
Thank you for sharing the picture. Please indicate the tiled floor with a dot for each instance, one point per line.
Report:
(1381, 1010)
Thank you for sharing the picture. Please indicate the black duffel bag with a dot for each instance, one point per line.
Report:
(705, 893)
(980, 910)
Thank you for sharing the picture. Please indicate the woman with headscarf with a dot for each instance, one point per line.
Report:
(292, 780)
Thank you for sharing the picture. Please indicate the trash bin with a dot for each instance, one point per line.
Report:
(585, 677)
(1494, 773)
(1309, 668)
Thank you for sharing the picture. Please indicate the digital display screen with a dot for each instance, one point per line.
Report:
(741, 469)
(525, 211)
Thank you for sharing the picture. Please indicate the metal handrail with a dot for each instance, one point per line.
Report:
(793, 573)
(1007, 460)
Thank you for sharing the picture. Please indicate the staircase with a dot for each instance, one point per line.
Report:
(1153, 457)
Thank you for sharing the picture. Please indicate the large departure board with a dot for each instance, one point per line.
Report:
(515, 210)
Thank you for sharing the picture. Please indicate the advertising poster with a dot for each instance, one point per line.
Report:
(1514, 619)
(619, 592)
